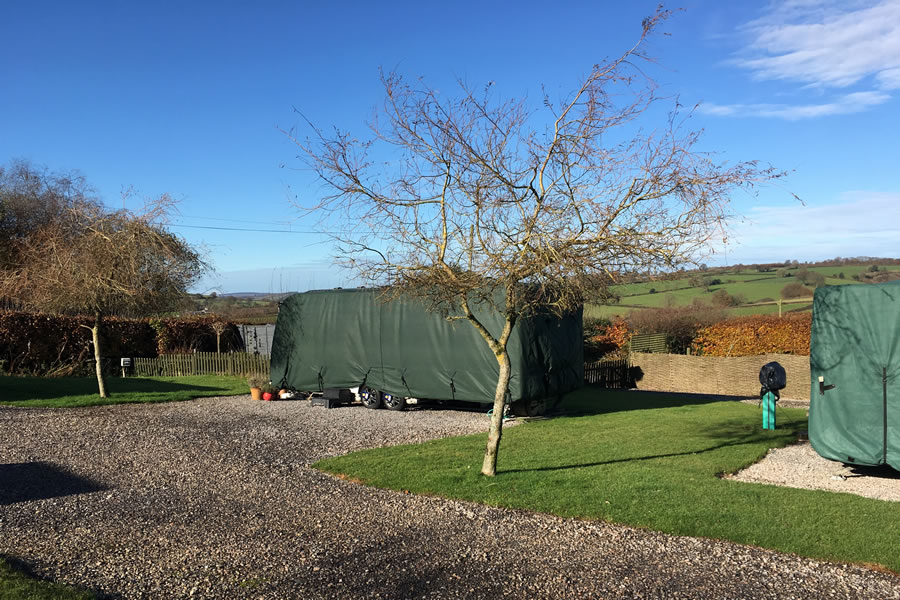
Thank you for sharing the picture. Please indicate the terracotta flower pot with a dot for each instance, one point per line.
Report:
(267, 396)
(255, 394)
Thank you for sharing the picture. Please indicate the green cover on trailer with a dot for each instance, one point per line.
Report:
(344, 338)
(855, 347)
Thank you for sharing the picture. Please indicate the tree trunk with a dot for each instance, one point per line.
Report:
(218, 343)
(95, 334)
(489, 466)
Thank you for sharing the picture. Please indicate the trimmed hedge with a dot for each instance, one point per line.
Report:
(758, 334)
(41, 344)
(180, 336)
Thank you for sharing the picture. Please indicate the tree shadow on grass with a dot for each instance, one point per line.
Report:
(25, 482)
(592, 400)
(23, 389)
(45, 588)
(726, 434)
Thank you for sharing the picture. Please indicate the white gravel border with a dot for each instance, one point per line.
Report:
(799, 466)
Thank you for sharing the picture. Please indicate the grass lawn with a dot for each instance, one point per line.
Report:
(17, 585)
(646, 460)
(61, 392)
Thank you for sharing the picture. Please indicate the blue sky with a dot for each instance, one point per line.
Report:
(190, 98)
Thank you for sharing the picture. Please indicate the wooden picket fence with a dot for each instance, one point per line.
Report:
(609, 373)
(202, 363)
(606, 373)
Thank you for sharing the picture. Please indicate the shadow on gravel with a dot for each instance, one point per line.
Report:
(881, 471)
(402, 566)
(24, 482)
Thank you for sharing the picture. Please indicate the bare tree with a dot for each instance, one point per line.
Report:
(100, 263)
(472, 198)
(32, 198)
(219, 327)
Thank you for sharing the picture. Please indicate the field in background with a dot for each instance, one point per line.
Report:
(250, 309)
(757, 291)
(756, 288)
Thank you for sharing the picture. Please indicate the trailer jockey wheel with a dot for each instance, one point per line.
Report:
(370, 398)
(393, 402)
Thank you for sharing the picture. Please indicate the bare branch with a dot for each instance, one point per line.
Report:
(478, 199)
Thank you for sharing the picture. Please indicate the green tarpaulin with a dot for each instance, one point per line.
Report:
(855, 347)
(344, 338)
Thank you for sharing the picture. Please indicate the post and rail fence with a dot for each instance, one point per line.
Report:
(202, 363)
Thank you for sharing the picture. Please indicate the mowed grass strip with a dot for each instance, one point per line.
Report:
(646, 460)
(17, 585)
(64, 392)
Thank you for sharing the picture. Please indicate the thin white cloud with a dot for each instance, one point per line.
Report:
(889, 79)
(859, 224)
(847, 104)
(828, 44)
(823, 45)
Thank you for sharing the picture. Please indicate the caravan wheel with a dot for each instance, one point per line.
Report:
(393, 402)
(370, 398)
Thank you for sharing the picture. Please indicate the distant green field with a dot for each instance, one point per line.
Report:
(602, 311)
(848, 270)
(634, 289)
(745, 277)
(755, 291)
(750, 285)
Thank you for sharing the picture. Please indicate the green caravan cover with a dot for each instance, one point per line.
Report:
(344, 338)
(855, 347)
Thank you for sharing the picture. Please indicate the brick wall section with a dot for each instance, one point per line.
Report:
(728, 376)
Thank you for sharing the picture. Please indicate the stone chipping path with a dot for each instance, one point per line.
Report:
(214, 498)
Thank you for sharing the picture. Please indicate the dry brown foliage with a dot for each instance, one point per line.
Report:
(679, 323)
(796, 290)
(758, 334)
(99, 263)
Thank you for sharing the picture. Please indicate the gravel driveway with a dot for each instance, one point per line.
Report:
(214, 499)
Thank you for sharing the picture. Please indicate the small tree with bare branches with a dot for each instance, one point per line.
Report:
(100, 263)
(32, 197)
(219, 327)
(477, 199)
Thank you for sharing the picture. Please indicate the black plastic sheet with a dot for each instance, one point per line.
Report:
(772, 377)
